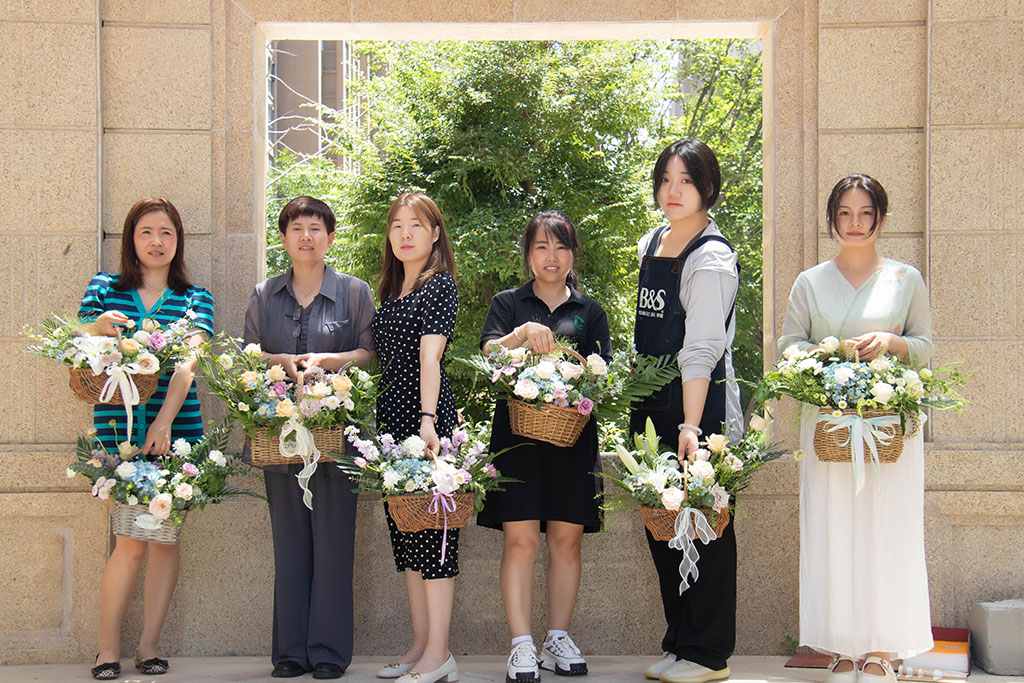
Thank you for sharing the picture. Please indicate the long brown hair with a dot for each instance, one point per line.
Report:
(131, 269)
(441, 259)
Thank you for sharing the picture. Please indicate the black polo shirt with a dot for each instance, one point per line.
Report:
(579, 318)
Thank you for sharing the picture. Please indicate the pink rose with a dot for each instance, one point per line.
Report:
(160, 506)
(156, 342)
(359, 461)
(189, 470)
(279, 388)
(585, 406)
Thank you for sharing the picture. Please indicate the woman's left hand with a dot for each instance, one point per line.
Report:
(688, 443)
(429, 434)
(872, 345)
(158, 438)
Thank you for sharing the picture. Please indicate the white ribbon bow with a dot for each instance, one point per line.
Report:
(446, 500)
(873, 430)
(304, 447)
(690, 524)
(120, 377)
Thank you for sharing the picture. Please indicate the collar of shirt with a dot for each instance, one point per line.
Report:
(525, 293)
(328, 287)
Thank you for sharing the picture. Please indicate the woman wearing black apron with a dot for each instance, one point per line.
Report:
(685, 306)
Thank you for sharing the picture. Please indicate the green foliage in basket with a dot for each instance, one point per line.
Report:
(190, 477)
(606, 389)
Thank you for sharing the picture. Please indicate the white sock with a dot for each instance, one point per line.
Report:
(522, 639)
(554, 633)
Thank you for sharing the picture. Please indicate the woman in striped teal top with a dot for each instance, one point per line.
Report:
(153, 283)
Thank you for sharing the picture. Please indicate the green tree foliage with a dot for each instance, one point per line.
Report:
(497, 131)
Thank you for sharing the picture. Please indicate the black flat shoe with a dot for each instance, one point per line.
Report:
(287, 670)
(326, 670)
(107, 671)
(154, 666)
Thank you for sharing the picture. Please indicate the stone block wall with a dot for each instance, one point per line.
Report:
(110, 100)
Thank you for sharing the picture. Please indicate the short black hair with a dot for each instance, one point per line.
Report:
(702, 165)
(306, 206)
(558, 225)
(857, 181)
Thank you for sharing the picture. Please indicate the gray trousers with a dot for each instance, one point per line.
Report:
(313, 555)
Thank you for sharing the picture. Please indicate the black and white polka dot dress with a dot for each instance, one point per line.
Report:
(397, 328)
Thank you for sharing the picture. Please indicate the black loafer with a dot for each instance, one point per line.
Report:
(287, 670)
(154, 666)
(325, 670)
(107, 671)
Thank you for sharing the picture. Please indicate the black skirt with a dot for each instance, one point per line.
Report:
(556, 484)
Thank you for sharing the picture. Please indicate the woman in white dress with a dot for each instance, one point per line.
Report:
(863, 580)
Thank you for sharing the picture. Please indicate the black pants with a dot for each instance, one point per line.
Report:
(313, 551)
(701, 621)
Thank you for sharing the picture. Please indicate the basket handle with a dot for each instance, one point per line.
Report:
(298, 385)
(571, 352)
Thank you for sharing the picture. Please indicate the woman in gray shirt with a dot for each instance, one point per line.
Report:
(311, 316)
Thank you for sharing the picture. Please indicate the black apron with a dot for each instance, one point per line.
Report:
(701, 623)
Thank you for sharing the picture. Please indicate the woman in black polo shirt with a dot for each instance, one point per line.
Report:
(558, 492)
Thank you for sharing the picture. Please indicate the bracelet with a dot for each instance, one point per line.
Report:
(424, 413)
(515, 333)
(686, 425)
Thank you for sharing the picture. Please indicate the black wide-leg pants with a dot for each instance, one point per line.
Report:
(313, 556)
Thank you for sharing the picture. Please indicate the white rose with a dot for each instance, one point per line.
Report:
(733, 463)
(702, 454)
(148, 363)
(597, 364)
(217, 458)
(759, 424)
(672, 498)
(809, 364)
(445, 480)
(330, 402)
(183, 491)
(141, 336)
(545, 369)
(181, 448)
(882, 392)
(843, 375)
(792, 352)
(518, 354)
(390, 479)
(150, 325)
(879, 365)
(126, 470)
(126, 450)
(569, 370)
(703, 469)
(226, 361)
(526, 389)
(717, 442)
(252, 350)
(414, 446)
(243, 407)
(319, 390)
(830, 344)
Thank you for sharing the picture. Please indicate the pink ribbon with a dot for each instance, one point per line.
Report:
(446, 500)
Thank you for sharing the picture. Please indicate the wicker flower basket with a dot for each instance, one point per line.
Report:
(546, 422)
(827, 444)
(266, 450)
(662, 523)
(87, 386)
(122, 523)
(412, 512)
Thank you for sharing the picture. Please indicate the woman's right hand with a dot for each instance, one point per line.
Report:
(108, 319)
(688, 443)
(539, 337)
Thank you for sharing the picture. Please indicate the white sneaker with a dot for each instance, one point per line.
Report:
(562, 656)
(522, 664)
(685, 671)
(655, 670)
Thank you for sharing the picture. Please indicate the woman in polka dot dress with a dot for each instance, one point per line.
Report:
(411, 331)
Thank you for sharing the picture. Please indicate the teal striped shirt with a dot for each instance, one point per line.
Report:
(101, 296)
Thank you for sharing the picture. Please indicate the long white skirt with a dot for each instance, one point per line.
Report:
(863, 579)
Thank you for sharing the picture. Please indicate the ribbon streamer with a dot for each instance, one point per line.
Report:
(304, 447)
(445, 499)
(873, 430)
(120, 377)
(690, 525)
